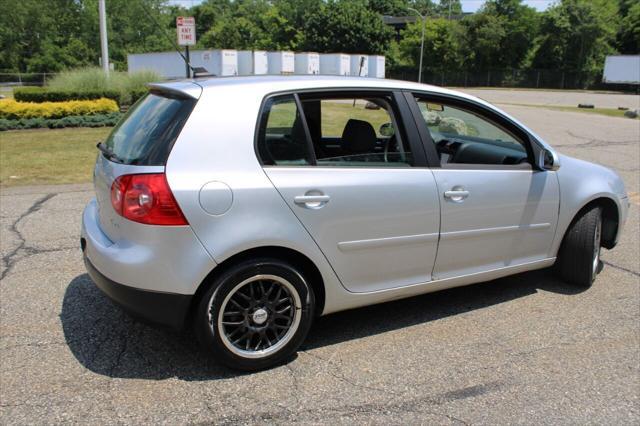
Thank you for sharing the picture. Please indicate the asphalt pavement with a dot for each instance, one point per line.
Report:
(526, 349)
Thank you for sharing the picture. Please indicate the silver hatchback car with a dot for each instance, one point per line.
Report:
(246, 206)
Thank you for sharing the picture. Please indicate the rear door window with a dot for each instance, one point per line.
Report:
(146, 134)
(282, 139)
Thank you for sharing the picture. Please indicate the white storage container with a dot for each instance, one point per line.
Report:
(166, 64)
(281, 62)
(252, 62)
(376, 66)
(221, 62)
(335, 64)
(307, 63)
(359, 65)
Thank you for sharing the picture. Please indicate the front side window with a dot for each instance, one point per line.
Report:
(282, 140)
(465, 137)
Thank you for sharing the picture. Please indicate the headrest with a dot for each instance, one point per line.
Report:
(358, 137)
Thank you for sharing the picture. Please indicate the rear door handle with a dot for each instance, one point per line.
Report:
(456, 195)
(312, 201)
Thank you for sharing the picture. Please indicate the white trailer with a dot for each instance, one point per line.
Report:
(376, 66)
(335, 64)
(359, 65)
(281, 62)
(171, 64)
(166, 64)
(220, 62)
(252, 62)
(307, 63)
(622, 69)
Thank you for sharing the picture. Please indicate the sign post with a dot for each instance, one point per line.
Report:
(186, 29)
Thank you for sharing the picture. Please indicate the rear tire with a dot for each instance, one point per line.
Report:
(579, 256)
(255, 315)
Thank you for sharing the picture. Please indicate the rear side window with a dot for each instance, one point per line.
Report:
(282, 140)
(147, 132)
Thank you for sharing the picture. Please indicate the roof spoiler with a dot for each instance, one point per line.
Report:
(183, 89)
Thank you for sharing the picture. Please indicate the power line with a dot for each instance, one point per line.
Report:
(171, 40)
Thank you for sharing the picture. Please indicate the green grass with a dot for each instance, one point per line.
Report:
(335, 115)
(609, 112)
(44, 156)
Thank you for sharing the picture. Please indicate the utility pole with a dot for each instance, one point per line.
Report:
(104, 45)
(424, 23)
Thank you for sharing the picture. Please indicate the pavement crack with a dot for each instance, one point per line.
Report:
(620, 268)
(592, 142)
(296, 385)
(346, 380)
(10, 259)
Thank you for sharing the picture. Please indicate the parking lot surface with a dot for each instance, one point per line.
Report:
(524, 349)
(557, 98)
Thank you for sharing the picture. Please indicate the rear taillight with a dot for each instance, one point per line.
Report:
(146, 198)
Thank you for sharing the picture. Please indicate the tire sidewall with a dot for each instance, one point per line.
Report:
(211, 339)
(577, 250)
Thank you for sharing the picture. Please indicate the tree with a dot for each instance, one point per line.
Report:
(442, 48)
(576, 35)
(345, 26)
(629, 33)
(252, 25)
(446, 7)
(519, 26)
(484, 34)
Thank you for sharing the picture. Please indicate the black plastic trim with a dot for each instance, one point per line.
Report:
(164, 309)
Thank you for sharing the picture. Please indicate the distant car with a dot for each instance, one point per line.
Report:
(247, 206)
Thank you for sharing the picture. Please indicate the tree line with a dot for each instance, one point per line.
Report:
(572, 35)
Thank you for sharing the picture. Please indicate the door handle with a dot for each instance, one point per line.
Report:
(314, 201)
(456, 195)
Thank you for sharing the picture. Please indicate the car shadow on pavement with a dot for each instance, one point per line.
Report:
(107, 341)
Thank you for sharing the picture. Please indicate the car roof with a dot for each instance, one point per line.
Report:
(262, 85)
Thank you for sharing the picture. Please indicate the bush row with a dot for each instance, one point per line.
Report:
(97, 120)
(12, 110)
(39, 95)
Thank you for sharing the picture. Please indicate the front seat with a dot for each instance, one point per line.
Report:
(359, 137)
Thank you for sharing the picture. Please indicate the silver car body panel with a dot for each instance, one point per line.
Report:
(371, 242)
(367, 244)
(508, 218)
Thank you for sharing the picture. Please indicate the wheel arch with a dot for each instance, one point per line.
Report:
(610, 219)
(308, 269)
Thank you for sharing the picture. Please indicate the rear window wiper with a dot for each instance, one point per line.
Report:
(110, 155)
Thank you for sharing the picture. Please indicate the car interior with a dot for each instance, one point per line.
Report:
(463, 137)
(362, 132)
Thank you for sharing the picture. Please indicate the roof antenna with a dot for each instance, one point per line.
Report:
(194, 71)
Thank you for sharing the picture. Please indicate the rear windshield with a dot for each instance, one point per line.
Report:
(146, 134)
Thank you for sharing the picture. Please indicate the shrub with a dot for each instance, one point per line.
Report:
(94, 80)
(16, 110)
(97, 120)
(38, 94)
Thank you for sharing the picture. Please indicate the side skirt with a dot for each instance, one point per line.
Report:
(340, 301)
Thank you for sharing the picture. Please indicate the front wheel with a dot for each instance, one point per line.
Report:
(579, 257)
(255, 315)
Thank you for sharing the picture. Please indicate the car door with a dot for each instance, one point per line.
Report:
(368, 200)
(497, 209)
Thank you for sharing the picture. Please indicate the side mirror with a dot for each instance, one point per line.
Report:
(548, 160)
(387, 130)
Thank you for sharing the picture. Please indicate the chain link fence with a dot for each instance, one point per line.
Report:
(530, 79)
(25, 78)
(514, 78)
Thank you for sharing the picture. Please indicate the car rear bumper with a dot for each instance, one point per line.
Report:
(152, 271)
(166, 309)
